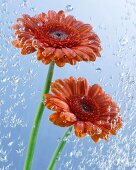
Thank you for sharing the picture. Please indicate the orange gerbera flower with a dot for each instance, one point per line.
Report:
(56, 37)
(88, 108)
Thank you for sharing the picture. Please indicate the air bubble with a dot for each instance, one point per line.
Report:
(98, 69)
(123, 41)
(68, 8)
(39, 24)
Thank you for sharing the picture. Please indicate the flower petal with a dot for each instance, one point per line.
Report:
(82, 86)
(95, 138)
(89, 52)
(54, 103)
(63, 87)
(70, 117)
(57, 120)
(95, 90)
(39, 54)
(17, 44)
(69, 53)
(27, 50)
(79, 53)
(52, 15)
(70, 20)
(92, 129)
(61, 16)
(79, 129)
(58, 54)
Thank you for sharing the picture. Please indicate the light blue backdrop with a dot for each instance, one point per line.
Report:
(22, 79)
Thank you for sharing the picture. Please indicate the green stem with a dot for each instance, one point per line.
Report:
(36, 124)
(59, 149)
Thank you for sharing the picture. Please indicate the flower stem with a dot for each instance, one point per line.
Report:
(59, 149)
(36, 124)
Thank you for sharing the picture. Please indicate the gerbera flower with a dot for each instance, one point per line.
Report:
(56, 37)
(88, 108)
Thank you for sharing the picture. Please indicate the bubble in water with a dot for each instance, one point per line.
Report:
(123, 41)
(39, 24)
(68, 8)
(1, 102)
(98, 69)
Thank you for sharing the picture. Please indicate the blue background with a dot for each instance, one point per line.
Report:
(22, 80)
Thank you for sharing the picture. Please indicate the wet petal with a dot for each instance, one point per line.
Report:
(70, 117)
(17, 44)
(95, 138)
(51, 15)
(57, 120)
(27, 50)
(54, 103)
(95, 90)
(82, 86)
(79, 129)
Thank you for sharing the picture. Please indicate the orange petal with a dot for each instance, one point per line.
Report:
(16, 27)
(92, 129)
(84, 28)
(42, 17)
(27, 50)
(30, 22)
(103, 98)
(113, 131)
(46, 60)
(82, 86)
(48, 51)
(39, 54)
(57, 120)
(77, 24)
(94, 91)
(61, 16)
(17, 44)
(72, 61)
(69, 53)
(104, 136)
(73, 84)
(95, 138)
(55, 103)
(70, 20)
(89, 52)
(51, 15)
(58, 54)
(59, 93)
(84, 56)
(79, 129)
(70, 117)
(63, 87)
(60, 63)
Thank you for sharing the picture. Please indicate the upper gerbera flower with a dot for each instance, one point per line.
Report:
(88, 108)
(56, 37)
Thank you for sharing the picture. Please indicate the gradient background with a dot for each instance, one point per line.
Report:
(22, 80)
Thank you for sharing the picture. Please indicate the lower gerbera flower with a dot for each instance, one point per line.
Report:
(56, 37)
(88, 108)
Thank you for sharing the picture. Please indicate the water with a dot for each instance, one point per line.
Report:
(22, 79)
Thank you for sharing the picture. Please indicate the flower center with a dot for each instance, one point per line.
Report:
(83, 107)
(59, 35)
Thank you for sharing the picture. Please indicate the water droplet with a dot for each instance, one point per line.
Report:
(39, 24)
(98, 69)
(68, 8)
(10, 143)
(1, 102)
(123, 41)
